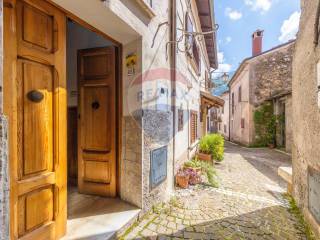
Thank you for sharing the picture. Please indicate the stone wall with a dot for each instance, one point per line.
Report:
(306, 114)
(157, 132)
(131, 167)
(288, 124)
(272, 73)
(4, 180)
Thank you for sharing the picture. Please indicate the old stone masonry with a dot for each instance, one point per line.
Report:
(250, 203)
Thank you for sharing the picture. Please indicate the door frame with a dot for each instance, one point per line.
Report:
(119, 84)
(10, 97)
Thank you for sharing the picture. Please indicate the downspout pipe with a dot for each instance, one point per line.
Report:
(172, 38)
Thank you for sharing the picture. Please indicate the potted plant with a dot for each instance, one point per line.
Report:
(182, 179)
(193, 165)
(204, 153)
(194, 176)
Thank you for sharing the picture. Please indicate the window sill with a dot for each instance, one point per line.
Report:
(146, 8)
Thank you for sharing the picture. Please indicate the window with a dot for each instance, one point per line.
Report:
(219, 126)
(196, 56)
(239, 95)
(193, 126)
(180, 120)
(223, 110)
(242, 122)
(206, 79)
(193, 50)
(225, 128)
(232, 103)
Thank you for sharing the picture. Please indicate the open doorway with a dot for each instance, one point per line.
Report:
(94, 209)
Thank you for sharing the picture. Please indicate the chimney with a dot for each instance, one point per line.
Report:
(257, 42)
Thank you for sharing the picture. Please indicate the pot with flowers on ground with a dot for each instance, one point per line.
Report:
(182, 179)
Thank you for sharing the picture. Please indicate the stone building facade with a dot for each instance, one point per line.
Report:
(159, 92)
(306, 114)
(264, 77)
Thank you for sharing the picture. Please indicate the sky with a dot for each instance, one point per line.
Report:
(238, 19)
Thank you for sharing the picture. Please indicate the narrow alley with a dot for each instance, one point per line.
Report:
(249, 203)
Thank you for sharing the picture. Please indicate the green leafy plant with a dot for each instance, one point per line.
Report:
(265, 125)
(212, 144)
(206, 168)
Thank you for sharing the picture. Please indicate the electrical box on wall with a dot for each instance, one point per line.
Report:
(314, 193)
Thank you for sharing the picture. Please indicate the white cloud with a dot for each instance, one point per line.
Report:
(223, 66)
(259, 5)
(290, 27)
(233, 14)
(220, 57)
(228, 39)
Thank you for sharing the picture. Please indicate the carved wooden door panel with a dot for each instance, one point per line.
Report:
(97, 118)
(35, 42)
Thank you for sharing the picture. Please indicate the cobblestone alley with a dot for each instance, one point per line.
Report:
(249, 204)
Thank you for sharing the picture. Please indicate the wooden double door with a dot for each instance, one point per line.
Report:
(35, 101)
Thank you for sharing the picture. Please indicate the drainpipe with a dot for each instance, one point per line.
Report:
(172, 38)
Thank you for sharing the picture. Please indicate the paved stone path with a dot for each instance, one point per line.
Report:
(248, 204)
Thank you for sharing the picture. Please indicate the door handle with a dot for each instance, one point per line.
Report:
(95, 105)
(35, 96)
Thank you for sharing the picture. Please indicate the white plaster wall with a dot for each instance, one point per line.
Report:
(184, 149)
(242, 109)
(224, 116)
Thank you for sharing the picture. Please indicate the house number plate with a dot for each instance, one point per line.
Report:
(158, 171)
(314, 193)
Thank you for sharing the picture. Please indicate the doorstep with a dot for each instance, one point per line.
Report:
(95, 218)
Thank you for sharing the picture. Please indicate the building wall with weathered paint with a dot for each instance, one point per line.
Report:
(188, 93)
(241, 108)
(271, 79)
(306, 109)
(223, 113)
(262, 78)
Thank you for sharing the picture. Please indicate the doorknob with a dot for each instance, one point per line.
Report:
(95, 105)
(35, 96)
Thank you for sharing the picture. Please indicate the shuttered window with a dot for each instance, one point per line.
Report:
(180, 120)
(196, 56)
(239, 96)
(232, 103)
(193, 50)
(193, 126)
(242, 122)
(207, 85)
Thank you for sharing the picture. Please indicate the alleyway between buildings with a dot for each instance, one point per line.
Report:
(249, 204)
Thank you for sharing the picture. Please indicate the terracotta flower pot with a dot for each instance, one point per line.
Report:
(204, 157)
(182, 181)
(271, 146)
